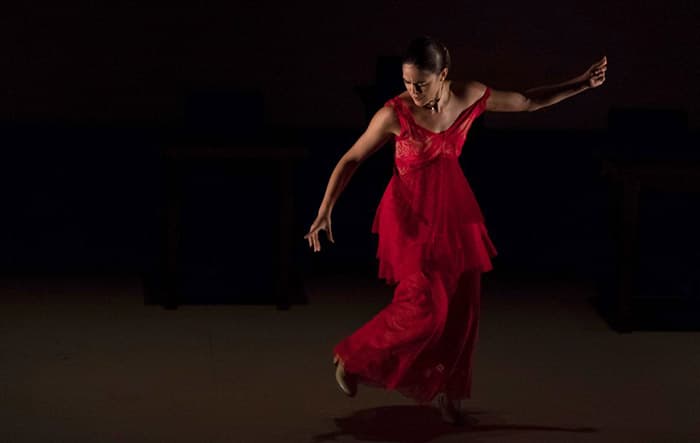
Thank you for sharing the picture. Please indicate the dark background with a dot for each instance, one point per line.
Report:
(92, 96)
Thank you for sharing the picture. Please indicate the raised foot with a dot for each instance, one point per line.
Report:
(346, 382)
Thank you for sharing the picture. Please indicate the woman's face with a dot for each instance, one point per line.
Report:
(423, 86)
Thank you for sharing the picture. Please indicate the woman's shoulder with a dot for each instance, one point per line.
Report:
(403, 98)
(388, 118)
(468, 90)
(398, 105)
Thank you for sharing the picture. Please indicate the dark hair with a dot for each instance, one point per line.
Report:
(428, 54)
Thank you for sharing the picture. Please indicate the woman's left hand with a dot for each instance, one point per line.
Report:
(595, 75)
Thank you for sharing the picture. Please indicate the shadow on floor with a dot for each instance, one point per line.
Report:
(420, 424)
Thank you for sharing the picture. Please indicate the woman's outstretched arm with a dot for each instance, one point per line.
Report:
(543, 96)
(378, 132)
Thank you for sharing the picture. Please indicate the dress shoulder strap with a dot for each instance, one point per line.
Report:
(400, 111)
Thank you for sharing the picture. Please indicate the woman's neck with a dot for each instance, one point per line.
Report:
(438, 104)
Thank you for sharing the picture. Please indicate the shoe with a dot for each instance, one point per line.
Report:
(346, 382)
(449, 410)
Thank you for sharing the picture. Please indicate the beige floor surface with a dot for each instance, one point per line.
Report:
(87, 361)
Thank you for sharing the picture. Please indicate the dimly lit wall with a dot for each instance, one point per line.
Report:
(137, 62)
(91, 96)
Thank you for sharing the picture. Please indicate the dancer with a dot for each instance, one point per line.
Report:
(433, 243)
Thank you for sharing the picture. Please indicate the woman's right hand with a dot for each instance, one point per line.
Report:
(322, 222)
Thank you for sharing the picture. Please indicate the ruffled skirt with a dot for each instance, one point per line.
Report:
(429, 220)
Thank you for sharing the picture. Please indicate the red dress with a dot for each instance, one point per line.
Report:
(434, 244)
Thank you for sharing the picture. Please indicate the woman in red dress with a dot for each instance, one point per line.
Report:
(433, 243)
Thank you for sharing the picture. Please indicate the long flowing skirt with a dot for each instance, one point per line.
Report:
(433, 243)
(423, 342)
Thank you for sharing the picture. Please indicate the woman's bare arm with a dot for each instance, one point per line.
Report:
(378, 132)
(543, 96)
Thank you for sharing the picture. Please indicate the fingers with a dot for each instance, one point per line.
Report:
(330, 233)
(310, 240)
(317, 243)
(313, 240)
(598, 79)
(598, 73)
(599, 66)
(312, 236)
